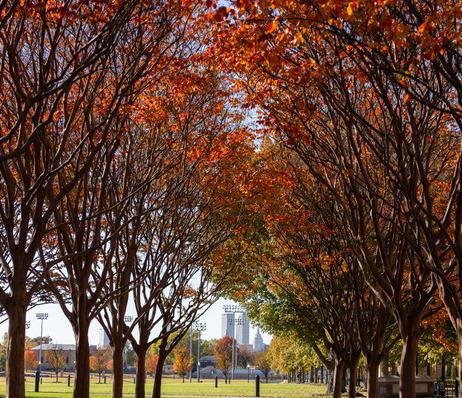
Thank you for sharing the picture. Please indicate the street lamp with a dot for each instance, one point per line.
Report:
(248, 373)
(42, 316)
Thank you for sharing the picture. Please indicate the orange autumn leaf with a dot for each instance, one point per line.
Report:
(272, 26)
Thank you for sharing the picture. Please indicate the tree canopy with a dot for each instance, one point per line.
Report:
(302, 157)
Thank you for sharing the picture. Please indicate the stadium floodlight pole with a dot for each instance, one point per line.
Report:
(190, 353)
(42, 316)
(232, 309)
(199, 327)
(239, 321)
(194, 326)
(127, 319)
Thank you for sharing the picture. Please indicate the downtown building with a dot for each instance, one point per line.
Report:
(241, 327)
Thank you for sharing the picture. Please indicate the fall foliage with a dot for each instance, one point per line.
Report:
(151, 363)
(182, 363)
(57, 358)
(99, 360)
(341, 87)
(30, 359)
(223, 355)
(302, 157)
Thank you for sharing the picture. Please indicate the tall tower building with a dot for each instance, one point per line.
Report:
(103, 339)
(227, 325)
(258, 342)
(242, 329)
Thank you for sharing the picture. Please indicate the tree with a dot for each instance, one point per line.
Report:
(30, 359)
(263, 363)
(34, 342)
(57, 358)
(430, 83)
(151, 363)
(223, 355)
(439, 339)
(245, 357)
(99, 360)
(182, 363)
(289, 354)
(206, 347)
(128, 181)
(53, 89)
(30, 343)
(3, 350)
(165, 23)
(281, 243)
(197, 206)
(350, 146)
(130, 356)
(388, 43)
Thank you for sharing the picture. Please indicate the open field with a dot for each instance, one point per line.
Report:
(174, 387)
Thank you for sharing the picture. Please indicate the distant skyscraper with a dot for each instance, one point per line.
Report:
(103, 339)
(241, 330)
(227, 325)
(258, 342)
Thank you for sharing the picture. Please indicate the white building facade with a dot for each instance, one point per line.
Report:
(258, 344)
(241, 327)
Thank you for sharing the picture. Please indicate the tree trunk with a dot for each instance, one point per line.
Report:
(329, 380)
(82, 359)
(408, 364)
(156, 389)
(338, 378)
(459, 370)
(373, 366)
(15, 387)
(118, 369)
(140, 388)
(451, 305)
(353, 376)
(385, 365)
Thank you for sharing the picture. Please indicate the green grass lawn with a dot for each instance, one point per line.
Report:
(173, 387)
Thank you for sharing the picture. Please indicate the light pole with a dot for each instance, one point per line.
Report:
(190, 353)
(233, 309)
(127, 319)
(42, 316)
(236, 322)
(200, 327)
